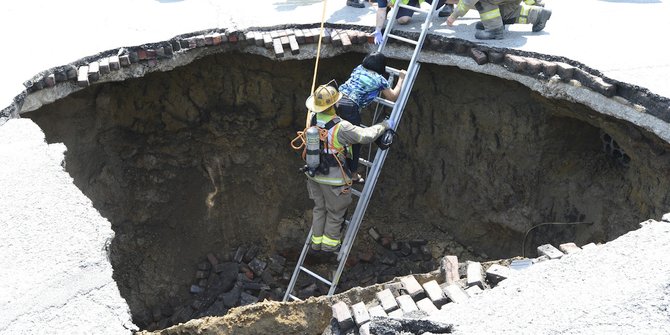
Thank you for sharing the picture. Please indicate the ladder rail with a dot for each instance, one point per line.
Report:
(296, 272)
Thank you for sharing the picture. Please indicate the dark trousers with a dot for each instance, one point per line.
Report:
(348, 110)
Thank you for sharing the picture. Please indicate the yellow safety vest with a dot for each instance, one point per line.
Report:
(335, 177)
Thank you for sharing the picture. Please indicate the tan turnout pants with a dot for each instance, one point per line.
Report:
(330, 206)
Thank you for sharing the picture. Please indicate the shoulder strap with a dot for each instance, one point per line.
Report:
(332, 123)
(313, 123)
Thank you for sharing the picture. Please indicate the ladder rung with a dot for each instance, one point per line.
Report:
(309, 272)
(387, 103)
(406, 40)
(392, 70)
(416, 9)
(356, 192)
(365, 162)
(294, 297)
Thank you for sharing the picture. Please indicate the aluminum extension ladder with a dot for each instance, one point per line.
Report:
(352, 225)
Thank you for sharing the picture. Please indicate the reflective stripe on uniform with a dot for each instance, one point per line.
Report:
(523, 17)
(529, 2)
(462, 7)
(317, 239)
(328, 181)
(329, 241)
(490, 15)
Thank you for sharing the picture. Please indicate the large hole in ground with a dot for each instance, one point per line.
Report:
(197, 161)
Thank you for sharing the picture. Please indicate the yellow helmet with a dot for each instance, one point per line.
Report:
(324, 97)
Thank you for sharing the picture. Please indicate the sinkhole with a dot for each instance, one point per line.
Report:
(196, 161)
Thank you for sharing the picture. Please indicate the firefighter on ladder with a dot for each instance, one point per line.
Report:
(329, 184)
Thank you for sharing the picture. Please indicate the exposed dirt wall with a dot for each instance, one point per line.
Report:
(197, 160)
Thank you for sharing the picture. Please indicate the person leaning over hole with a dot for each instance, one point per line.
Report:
(330, 186)
(495, 14)
(404, 15)
(364, 84)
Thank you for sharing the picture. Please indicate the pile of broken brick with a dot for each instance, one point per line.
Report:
(400, 306)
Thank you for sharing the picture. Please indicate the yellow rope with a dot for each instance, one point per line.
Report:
(316, 63)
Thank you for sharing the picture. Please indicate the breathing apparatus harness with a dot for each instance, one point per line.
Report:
(317, 151)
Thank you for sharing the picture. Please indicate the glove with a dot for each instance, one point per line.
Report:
(378, 37)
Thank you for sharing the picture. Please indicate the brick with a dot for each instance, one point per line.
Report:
(60, 76)
(387, 300)
(247, 299)
(216, 39)
(233, 38)
(124, 60)
(326, 36)
(362, 330)
(239, 254)
(455, 293)
(152, 62)
(371, 38)
(374, 234)
(435, 293)
(50, 80)
(426, 305)
(241, 37)
(257, 266)
(533, 65)
(176, 45)
(549, 68)
(184, 44)
(93, 71)
(209, 39)
(342, 315)
(413, 288)
(346, 41)
(397, 314)
(284, 41)
(569, 248)
(309, 36)
(295, 49)
(549, 251)
(474, 274)
(479, 56)
(71, 72)
(497, 273)
(406, 304)
(386, 241)
(201, 274)
(299, 35)
(212, 259)
(168, 50)
(200, 41)
(276, 263)
(360, 313)
(279, 50)
(377, 311)
(594, 82)
(152, 54)
(565, 71)
(114, 63)
(473, 291)
(541, 259)
(515, 63)
(449, 269)
(104, 65)
(496, 57)
(366, 256)
(267, 40)
(258, 38)
(141, 54)
(250, 37)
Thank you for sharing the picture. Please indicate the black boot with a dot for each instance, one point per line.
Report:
(480, 26)
(355, 3)
(446, 10)
(542, 19)
(493, 34)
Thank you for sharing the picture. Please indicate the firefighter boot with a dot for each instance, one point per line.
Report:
(480, 26)
(355, 3)
(446, 10)
(542, 19)
(493, 34)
